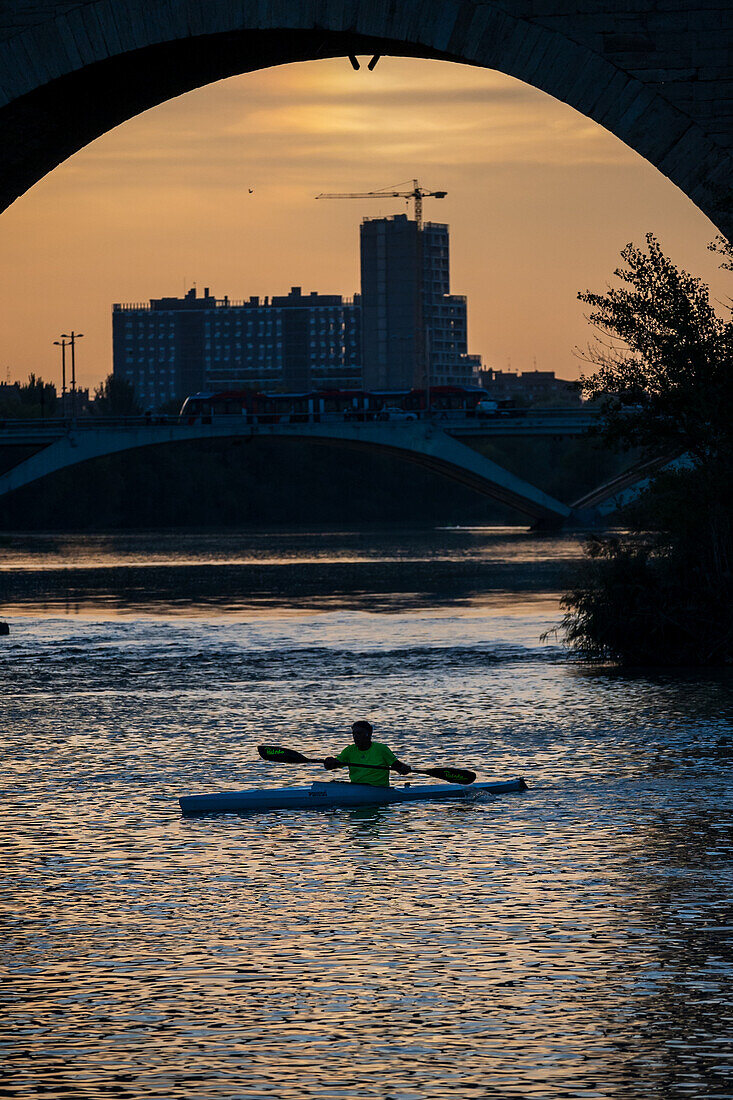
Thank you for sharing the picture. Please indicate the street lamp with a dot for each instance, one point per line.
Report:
(72, 337)
(427, 368)
(62, 344)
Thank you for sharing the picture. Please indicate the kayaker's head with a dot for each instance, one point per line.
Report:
(362, 734)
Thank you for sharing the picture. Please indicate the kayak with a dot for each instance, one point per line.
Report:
(326, 796)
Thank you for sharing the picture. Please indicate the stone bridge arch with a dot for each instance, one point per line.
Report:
(653, 72)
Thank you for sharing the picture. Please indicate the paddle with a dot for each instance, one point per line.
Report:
(275, 754)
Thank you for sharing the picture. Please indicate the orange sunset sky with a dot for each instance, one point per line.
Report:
(540, 202)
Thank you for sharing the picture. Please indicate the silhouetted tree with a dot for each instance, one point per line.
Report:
(663, 359)
(35, 398)
(663, 593)
(723, 248)
(115, 397)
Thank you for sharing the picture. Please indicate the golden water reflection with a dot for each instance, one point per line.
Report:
(573, 941)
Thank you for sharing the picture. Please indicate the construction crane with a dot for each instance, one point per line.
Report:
(417, 193)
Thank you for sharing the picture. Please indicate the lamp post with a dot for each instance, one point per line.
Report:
(427, 368)
(72, 337)
(62, 344)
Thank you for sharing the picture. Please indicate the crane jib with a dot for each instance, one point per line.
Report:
(417, 194)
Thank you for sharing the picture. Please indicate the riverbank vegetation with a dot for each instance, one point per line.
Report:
(663, 593)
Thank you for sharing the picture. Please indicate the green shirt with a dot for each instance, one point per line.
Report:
(375, 754)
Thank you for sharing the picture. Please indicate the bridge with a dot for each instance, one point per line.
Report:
(656, 73)
(35, 449)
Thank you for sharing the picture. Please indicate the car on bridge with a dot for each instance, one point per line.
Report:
(392, 412)
(489, 407)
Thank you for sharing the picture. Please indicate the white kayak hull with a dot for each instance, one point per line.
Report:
(320, 796)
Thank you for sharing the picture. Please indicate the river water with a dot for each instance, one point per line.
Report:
(573, 941)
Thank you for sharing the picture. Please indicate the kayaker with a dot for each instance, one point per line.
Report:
(366, 751)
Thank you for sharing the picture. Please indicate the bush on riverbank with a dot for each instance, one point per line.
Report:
(661, 596)
(663, 593)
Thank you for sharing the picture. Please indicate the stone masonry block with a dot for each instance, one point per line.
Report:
(491, 47)
(538, 60)
(126, 26)
(519, 44)
(49, 62)
(656, 131)
(568, 59)
(15, 71)
(463, 37)
(445, 24)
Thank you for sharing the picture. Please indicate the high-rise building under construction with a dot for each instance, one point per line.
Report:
(414, 331)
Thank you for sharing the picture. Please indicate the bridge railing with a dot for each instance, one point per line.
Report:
(61, 425)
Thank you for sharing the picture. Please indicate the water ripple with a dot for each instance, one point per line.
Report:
(572, 942)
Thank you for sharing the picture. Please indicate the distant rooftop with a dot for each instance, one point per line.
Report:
(190, 300)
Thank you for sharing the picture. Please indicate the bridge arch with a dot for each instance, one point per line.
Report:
(655, 75)
(424, 443)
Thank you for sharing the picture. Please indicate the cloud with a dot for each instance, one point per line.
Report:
(318, 127)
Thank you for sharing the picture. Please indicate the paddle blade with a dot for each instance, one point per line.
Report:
(450, 775)
(277, 755)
